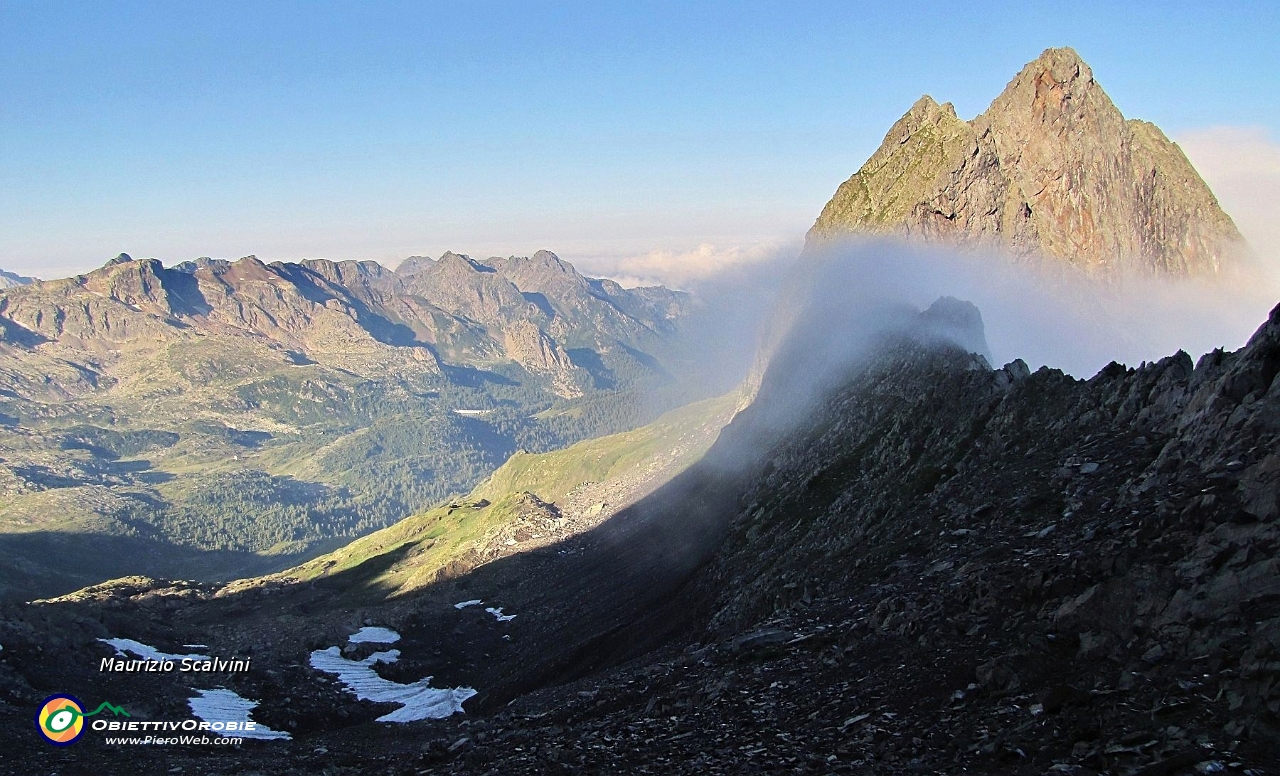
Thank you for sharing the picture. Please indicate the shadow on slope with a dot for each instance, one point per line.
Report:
(84, 559)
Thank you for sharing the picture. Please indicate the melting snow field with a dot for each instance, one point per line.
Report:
(147, 653)
(225, 706)
(465, 604)
(369, 635)
(497, 613)
(417, 701)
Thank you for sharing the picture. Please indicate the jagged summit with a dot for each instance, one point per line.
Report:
(955, 321)
(549, 259)
(204, 262)
(413, 264)
(1062, 64)
(1052, 168)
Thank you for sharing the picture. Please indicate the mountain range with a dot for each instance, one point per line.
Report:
(518, 313)
(940, 566)
(222, 418)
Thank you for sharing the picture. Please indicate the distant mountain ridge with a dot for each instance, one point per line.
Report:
(1052, 168)
(531, 313)
(10, 280)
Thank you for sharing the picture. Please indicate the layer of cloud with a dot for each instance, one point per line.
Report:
(838, 303)
(691, 267)
(1242, 166)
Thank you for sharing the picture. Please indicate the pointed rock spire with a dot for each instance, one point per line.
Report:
(1050, 170)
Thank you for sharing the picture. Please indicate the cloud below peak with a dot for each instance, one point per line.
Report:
(684, 268)
(1242, 166)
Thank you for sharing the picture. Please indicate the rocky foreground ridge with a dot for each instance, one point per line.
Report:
(1050, 169)
(941, 567)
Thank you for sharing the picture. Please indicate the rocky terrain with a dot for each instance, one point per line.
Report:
(894, 559)
(1051, 169)
(942, 567)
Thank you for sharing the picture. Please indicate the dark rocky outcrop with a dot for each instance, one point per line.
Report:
(947, 567)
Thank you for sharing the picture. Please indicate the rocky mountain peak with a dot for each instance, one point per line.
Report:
(1058, 81)
(543, 272)
(926, 110)
(956, 321)
(122, 258)
(1061, 65)
(139, 283)
(204, 262)
(548, 259)
(414, 265)
(460, 261)
(1051, 170)
(1050, 109)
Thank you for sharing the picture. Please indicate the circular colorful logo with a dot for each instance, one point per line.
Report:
(60, 719)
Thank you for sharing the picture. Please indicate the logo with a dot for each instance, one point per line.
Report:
(61, 718)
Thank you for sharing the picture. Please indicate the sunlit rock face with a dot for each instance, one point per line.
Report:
(1052, 169)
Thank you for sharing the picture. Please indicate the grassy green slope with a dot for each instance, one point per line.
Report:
(450, 538)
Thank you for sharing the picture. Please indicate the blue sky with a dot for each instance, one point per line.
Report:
(604, 131)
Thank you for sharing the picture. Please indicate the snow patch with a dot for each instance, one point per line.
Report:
(147, 653)
(417, 701)
(465, 604)
(222, 705)
(497, 613)
(374, 635)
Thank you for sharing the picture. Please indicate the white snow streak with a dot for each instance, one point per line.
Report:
(146, 653)
(368, 635)
(497, 613)
(223, 705)
(417, 701)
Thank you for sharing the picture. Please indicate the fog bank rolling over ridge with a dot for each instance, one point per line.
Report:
(1063, 320)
